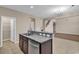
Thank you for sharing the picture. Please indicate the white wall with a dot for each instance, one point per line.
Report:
(68, 25)
(22, 19)
(38, 24)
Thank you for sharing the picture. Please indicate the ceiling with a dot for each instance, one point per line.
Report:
(43, 11)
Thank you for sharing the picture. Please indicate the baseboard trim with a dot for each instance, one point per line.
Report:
(6, 39)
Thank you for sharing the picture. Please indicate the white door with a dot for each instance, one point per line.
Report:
(1, 37)
(13, 29)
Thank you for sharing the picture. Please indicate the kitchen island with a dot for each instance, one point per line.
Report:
(35, 43)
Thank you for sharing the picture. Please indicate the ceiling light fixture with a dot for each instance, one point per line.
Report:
(31, 6)
(60, 9)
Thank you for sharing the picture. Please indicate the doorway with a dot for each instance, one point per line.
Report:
(8, 29)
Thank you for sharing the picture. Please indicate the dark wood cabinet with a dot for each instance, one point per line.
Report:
(44, 48)
(23, 44)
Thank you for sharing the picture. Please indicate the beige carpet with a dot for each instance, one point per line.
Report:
(64, 46)
(10, 48)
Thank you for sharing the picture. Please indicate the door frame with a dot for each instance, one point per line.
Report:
(54, 27)
(1, 25)
(13, 26)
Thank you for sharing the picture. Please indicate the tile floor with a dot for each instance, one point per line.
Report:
(10, 48)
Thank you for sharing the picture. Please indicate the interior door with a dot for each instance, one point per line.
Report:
(1, 41)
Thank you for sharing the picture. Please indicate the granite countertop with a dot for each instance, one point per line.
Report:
(37, 38)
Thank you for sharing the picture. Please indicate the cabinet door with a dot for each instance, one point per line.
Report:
(46, 48)
(25, 45)
(21, 42)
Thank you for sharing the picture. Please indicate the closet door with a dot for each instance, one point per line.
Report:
(1, 40)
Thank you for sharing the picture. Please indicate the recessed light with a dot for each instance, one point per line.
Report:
(31, 6)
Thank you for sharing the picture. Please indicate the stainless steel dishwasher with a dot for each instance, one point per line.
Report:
(33, 47)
